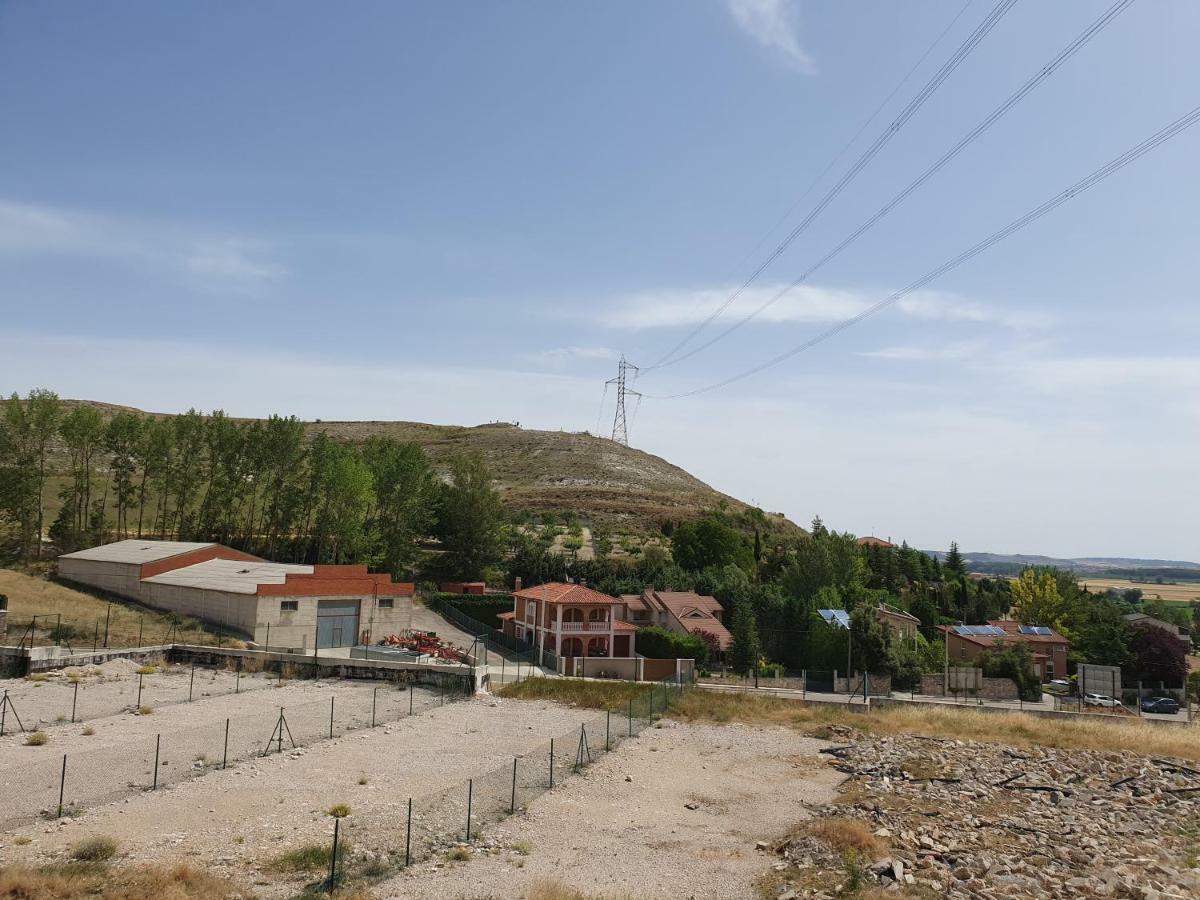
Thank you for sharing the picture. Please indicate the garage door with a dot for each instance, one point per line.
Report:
(337, 623)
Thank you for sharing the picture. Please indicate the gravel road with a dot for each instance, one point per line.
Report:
(675, 813)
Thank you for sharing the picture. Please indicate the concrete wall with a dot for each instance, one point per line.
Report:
(987, 688)
(298, 629)
(122, 579)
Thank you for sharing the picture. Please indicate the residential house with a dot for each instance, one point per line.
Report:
(1049, 649)
(570, 620)
(683, 612)
(872, 541)
(1142, 619)
(902, 624)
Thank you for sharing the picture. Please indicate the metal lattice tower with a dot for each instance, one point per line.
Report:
(620, 432)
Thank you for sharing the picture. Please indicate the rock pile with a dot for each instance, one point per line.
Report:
(975, 820)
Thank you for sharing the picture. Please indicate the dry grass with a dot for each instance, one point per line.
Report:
(180, 882)
(97, 848)
(36, 739)
(847, 834)
(29, 595)
(1183, 592)
(1083, 732)
(553, 889)
(613, 695)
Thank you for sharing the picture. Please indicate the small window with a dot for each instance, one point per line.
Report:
(289, 605)
(387, 602)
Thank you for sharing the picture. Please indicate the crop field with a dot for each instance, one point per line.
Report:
(1182, 592)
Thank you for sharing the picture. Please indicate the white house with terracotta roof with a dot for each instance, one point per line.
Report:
(683, 612)
(570, 620)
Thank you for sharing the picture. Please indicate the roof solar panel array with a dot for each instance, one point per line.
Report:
(838, 618)
(979, 630)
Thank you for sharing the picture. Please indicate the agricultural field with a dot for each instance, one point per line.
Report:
(85, 616)
(1180, 592)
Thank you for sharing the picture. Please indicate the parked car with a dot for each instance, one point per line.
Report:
(1101, 700)
(1160, 705)
(1058, 686)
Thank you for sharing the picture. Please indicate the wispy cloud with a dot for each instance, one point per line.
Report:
(806, 303)
(773, 23)
(927, 353)
(561, 357)
(206, 260)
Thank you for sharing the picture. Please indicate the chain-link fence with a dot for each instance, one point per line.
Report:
(54, 787)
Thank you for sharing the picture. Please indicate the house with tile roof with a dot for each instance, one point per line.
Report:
(570, 620)
(683, 612)
(1049, 649)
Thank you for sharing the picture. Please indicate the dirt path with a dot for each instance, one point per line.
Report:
(626, 828)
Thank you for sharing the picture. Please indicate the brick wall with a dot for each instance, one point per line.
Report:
(985, 688)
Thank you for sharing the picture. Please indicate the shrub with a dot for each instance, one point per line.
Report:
(144, 711)
(94, 849)
(88, 730)
(36, 739)
(146, 670)
(659, 643)
(1015, 662)
(304, 859)
(339, 810)
(458, 854)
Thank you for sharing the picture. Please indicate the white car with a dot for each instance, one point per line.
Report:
(1101, 700)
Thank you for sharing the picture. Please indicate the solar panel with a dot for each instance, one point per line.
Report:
(1038, 630)
(979, 630)
(838, 618)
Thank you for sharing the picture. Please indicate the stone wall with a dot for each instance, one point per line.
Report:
(984, 688)
(878, 686)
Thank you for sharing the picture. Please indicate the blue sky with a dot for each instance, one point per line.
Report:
(463, 212)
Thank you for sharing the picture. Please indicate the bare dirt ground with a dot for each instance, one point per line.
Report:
(238, 822)
(676, 812)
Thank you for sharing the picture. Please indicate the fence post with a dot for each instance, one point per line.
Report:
(410, 699)
(333, 857)
(331, 717)
(551, 763)
(74, 701)
(62, 784)
(631, 717)
(225, 752)
(140, 621)
(267, 645)
(3, 712)
(470, 793)
(96, 637)
(607, 728)
(237, 685)
(374, 697)
(139, 703)
(408, 836)
(1139, 699)
(512, 804)
(804, 684)
(107, 613)
(157, 744)
(191, 681)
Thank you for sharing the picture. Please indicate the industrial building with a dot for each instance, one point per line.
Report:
(286, 605)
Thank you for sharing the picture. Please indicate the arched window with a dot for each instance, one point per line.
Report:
(598, 614)
(598, 646)
(572, 647)
(574, 614)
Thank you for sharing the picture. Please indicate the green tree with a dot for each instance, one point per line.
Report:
(404, 494)
(470, 518)
(122, 438)
(1037, 601)
(744, 648)
(954, 564)
(710, 542)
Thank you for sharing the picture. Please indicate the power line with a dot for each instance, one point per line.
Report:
(1042, 74)
(956, 59)
(1155, 140)
(620, 432)
(820, 177)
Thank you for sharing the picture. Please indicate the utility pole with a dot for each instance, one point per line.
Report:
(620, 432)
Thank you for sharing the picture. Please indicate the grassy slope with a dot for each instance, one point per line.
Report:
(1012, 728)
(542, 471)
(29, 596)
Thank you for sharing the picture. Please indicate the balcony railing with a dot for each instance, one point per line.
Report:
(586, 626)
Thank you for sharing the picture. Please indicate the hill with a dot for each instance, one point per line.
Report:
(1013, 563)
(602, 482)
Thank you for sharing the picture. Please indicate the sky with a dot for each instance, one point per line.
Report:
(468, 212)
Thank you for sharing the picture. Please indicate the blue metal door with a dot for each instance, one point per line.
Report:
(337, 623)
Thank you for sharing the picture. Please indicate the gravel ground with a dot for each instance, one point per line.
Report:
(676, 812)
(113, 687)
(236, 822)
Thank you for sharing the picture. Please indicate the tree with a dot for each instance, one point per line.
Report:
(470, 518)
(28, 427)
(122, 439)
(404, 493)
(1158, 655)
(1037, 601)
(1102, 638)
(710, 542)
(744, 649)
(955, 564)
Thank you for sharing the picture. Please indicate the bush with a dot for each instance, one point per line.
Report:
(483, 609)
(94, 849)
(658, 643)
(1015, 662)
(36, 739)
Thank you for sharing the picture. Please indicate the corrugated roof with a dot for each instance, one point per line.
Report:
(230, 575)
(137, 551)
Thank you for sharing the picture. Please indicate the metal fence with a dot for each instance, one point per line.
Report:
(51, 788)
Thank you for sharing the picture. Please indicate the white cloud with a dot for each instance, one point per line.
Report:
(928, 353)
(941, 306)
(773, 24)
(662, 309)
(1174, 374)
(212, 262)
(560, 357)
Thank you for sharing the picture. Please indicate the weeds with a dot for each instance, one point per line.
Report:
(95, 849)
(36, 739)
(458, 854)
(307, 858)
(145, 711)
(88, 730)
(146, 670)
(339, 810)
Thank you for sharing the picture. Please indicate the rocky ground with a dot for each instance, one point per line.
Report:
(964, 819)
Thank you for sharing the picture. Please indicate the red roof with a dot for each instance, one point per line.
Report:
(557, 592)
(507, 614)
(872, 541)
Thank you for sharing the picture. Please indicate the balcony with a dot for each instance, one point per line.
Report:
(585, 626)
